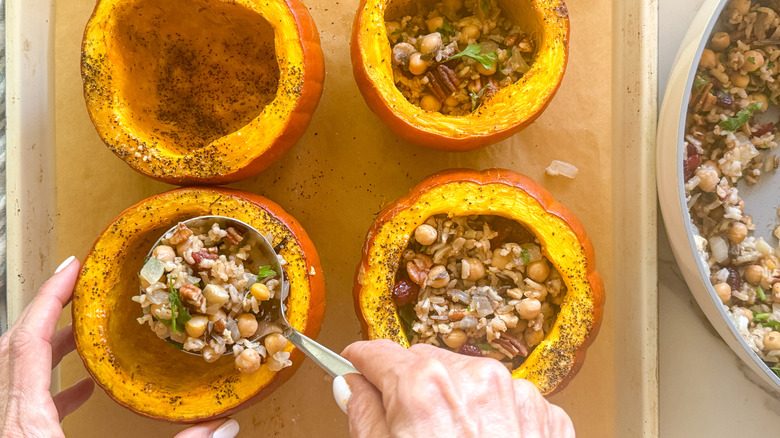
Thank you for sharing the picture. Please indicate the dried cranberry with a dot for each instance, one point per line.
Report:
(405, 292)
(509, 230)
(734, 280)
(691, 163)
(725, 100)
(470, 350)
(763, 129)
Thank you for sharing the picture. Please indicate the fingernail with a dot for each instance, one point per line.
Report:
(63, 264)
(229, 429)
(341, 392)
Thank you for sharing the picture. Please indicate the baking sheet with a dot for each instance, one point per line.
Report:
(348, 165)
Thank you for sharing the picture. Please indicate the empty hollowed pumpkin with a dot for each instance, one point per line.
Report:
(509, 110)
(149, 375)
(200, 91)
(458, 193)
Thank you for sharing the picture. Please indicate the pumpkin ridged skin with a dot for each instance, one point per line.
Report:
(513, 108)
(244, 147)
(461, 192)
(148, 375)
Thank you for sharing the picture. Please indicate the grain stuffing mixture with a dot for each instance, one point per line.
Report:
(453, 55)
(731, 137)
(205, 291)
(478, 285)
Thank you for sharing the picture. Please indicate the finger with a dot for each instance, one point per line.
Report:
(62, 343)
(560, 423)
(220, 428)
(43, 312)
(366, 412)
(72, 398)
(378, 360)
(531, 410)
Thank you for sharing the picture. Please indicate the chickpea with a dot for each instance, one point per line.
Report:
(723, 290)
(431, 42)
(533, 337)
(430, 103)
(435, 23)
(529, 308)
(741, 6)
(708, 59)
(425, 234)
(453, 5)
(753, 274)
(164, 253)
(714, 166)
(209, 355)
(538, 270)
(161, 311)
(452, 101)
(247, 325)
(196, 326)
(762, 99)
(455, 338)
(739, 80)
(393, 30)
(499, 261)
(737, 232)
(747, 313)
(486, 71)
(753, 60)
(772, 341)
(476, 270)
(417, 65)
(260, 292)
(215, 295)
(776, 292)
(216, 316)
(248, 361)
(720, 40)
(274, 343)
(468, 33)
(709, 179)
(438, 276)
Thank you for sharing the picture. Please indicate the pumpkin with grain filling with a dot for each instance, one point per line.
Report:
(149, 375)
(201, 91)
(510, 110)
(493, 192)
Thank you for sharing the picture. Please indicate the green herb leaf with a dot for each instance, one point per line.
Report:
(423, 248)
(179, 313)
(776, 370)
(760, 317)
(752, 59)
(265, 272)
(761, 293)
(770, 65)
(774, 325)
(474, 51)
(485, 4)
(734, 123)
(526, 257)
(476, 98)
(446, 29)
(486, 346)
(700, 81)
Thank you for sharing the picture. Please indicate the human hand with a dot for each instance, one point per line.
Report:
(28, 352)
(426, 390)
(211, 429)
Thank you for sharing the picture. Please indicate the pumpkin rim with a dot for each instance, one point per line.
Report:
(313, 316)
(181, 169)
(546, 201)
(405, 119)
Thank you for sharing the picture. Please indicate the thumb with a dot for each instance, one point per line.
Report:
(366, 412)
(211, 429)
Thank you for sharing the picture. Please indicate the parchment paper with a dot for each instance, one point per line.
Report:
(337, 177)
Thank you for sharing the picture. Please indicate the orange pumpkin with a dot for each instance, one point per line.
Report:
(510, 110)
(463, 192)
(199, 91)
(148, 375)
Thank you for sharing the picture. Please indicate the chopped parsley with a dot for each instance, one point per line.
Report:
(179, 313)
(526, 257)
(776, 370)
(476, 98)
(734, 123)
(752, 59)
(474, 51)
(265, 272)
(486, 346)
(760, 317)
(485, 5)
(761, 293)
(446, 29)
(700, 81)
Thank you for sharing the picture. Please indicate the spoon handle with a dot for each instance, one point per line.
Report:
(331, 362)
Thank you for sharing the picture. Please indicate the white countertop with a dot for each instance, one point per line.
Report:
(705, 390)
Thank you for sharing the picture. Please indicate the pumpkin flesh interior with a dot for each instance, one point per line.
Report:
(509, 106)
(140, 370)
(193, 71)
(553, 358)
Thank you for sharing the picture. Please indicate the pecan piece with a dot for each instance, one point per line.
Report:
(193, 297)
(181, 234)
(234, 237)
(703, 101)
(204, 254)
(526, 45)
(442, 81)
(511, 346)
(220, 326)
(418, 268)
(457, 315)
(511, 39)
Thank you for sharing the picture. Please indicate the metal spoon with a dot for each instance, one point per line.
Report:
(331, 362)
